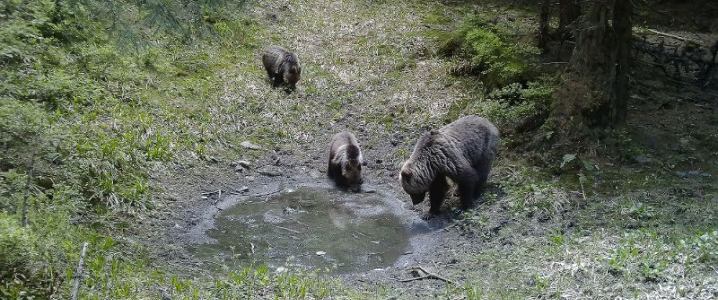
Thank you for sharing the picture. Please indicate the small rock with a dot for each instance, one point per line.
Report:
(641, 159)
(314, 174)
(281, 270)
(249, 145)
(270, 171)
(694, 173)
(379, 161)
(321, 253)
(244, 164)
(682, 174)
(244, 189)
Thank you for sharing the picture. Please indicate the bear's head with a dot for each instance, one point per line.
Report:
(352, 172)
(411, 185)
(293, 74)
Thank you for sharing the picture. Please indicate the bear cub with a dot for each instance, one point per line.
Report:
(345, 161)
(281, 66)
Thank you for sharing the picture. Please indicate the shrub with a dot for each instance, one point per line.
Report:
(497, 55)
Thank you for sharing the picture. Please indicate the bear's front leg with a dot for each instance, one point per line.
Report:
(467, 186)
(437, 192)
(277, 81)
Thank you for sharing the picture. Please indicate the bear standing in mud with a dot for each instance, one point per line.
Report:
(281, 66)
(462, 151)
(345, 161)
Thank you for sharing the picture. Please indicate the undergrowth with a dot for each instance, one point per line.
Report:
(86, 116)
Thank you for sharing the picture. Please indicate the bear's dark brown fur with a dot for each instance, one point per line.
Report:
(462, 151)
(281, 66)
(345, 161)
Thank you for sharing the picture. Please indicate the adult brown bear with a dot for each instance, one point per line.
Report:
(462, 151)
(345, 161)
(281, 66)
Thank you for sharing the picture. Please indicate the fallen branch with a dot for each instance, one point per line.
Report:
(680, 38)
(218, 192)
(427, 275)
(25, 205)
(78, 273)
(450, 226)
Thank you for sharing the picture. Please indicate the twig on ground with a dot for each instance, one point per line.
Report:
(450, 226)
(252, 247)
(427, 275)
(287, 229)
(213, 192)
(78, 273)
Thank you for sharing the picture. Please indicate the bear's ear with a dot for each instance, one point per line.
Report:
(434, 132)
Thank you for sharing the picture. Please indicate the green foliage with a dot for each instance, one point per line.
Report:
(15, 247)
(498, 52)
(495, 53)
(515, 107)
(702, 248)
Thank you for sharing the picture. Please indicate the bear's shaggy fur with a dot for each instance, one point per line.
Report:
(462, 151)
(281, 66)
(345, 161)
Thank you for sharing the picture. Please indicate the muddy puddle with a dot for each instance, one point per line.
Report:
(310, 227)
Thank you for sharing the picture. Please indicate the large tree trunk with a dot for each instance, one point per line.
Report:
(569, 12)
(622, 26)
(595, 93)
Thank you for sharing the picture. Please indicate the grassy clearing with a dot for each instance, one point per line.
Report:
(95, 122)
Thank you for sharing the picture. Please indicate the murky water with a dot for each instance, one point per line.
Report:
(312, 228)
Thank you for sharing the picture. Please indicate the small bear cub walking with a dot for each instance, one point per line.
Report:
(345, 161)
(281, 66)
(462, 151)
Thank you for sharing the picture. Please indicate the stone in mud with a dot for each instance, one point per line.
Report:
(270, 171)
(250, 146)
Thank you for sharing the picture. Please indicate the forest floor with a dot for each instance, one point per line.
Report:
(642, 225)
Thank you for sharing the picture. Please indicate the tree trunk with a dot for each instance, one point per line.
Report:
(544, 26)
(569, 12)
(596, 89)
(622, 27)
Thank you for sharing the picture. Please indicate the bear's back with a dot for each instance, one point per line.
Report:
(476, 137)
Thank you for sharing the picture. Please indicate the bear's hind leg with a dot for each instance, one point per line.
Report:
(482, 170)
(437, 192)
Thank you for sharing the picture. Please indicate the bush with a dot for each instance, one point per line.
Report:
(16, 250)
(494, 53)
